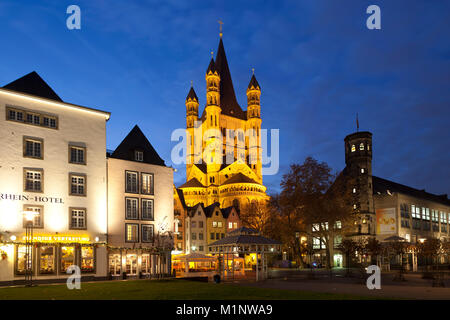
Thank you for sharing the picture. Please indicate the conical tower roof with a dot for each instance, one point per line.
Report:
(253, 83)
(192, 95)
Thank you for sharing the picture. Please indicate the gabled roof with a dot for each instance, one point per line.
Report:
(226, 211)
(192, 210)
(239, 178)
(382, 186)
(193, 183)
(33, 84)
(181, 196)
(228, 101)
(210, 209)
(136, 140)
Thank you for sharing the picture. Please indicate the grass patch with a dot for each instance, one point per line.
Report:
(161, 290)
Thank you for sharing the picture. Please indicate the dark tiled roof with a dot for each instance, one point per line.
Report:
(210, 209)
(382, 185)
(192, 210)
(211, 66)
(253, 83)
(192, 95)
(244, 239)
(228, 102)
(181, 196)
(33, 84)
(193, 183)
(239, 178)
(136, 140)
(226, 211)
(243, 230)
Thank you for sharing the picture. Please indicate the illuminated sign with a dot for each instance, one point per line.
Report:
(26, 197)
(386, 221)
(58, 238)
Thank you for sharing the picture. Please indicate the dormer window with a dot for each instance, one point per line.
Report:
(138, 155)
(361, 146)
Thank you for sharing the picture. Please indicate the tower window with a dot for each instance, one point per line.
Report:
(361, 146)
(354, 190)
(362, 170)
(353, 148)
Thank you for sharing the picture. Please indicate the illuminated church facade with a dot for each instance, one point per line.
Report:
(223, 159)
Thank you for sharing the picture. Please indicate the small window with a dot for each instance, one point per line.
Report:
(354, 190)
(214, 224)
(77, 218)
(38, 219)
(219, 224)
(362, 170)
(131, 208)
(77, 185)
(33, 148)
(200, 224)
(147, 209)
(77, 155)
(33, 180)
(212, 236)
(147, 232)
(131, 232)
(353, 148)
(138, 155)
(147, 183)
(200, 236)
(230, 225)
(194, 236)
(131, 182)
(361, 146)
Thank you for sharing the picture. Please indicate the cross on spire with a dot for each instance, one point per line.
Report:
(220, 23)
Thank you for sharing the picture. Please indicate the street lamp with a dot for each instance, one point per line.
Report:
(29, 219)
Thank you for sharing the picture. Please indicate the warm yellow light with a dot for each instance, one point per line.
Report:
(29, 215)
(13, 238)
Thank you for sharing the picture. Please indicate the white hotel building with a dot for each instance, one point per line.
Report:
(53, 162)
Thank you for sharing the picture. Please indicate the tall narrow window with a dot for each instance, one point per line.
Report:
(77, 218)
(147, 209)
(147, 183)
(87, 259)
(77, 184)
(77, 155)
(67, 258)
(131, 208)
(131, 232)
(147, 232)
(33, 148)
(47, 260)
(33, 180)
(353, 148)
(131, 182)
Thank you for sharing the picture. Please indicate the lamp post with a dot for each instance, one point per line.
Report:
(29, 219)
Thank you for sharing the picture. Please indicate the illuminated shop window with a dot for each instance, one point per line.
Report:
(132, 232)
(77, 218)
(77, 155)
(147, 183)
(47, 260)
(21, 260)
(115, 264)
(67, 258)
(77, 185)
(147, 209)
(131, 206)
(87, 259)
(131, 182)
(33, 180)
(131, 264)
(147, 233)
(146, 263)
(33, 148)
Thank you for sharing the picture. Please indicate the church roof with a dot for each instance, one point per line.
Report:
(382, 186)
(33, 84)
(228, 101)
(136, 140)
(253, 83)
(193, 183)
(211, 66)
(192, 94)
(240, 178)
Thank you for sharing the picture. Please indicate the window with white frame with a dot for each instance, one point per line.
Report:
(147, 232)
(131, 232)
(77, 218)
(33, 180)
(33, 148)
(131, 182)
(77, 155)
(131, 208)
(147, 209)
(77, 185)
(147, 183)
(38, 216)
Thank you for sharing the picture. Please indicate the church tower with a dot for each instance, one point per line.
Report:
(228, 170)
(358, 160)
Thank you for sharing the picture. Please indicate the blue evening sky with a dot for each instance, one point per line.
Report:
(317, 63)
